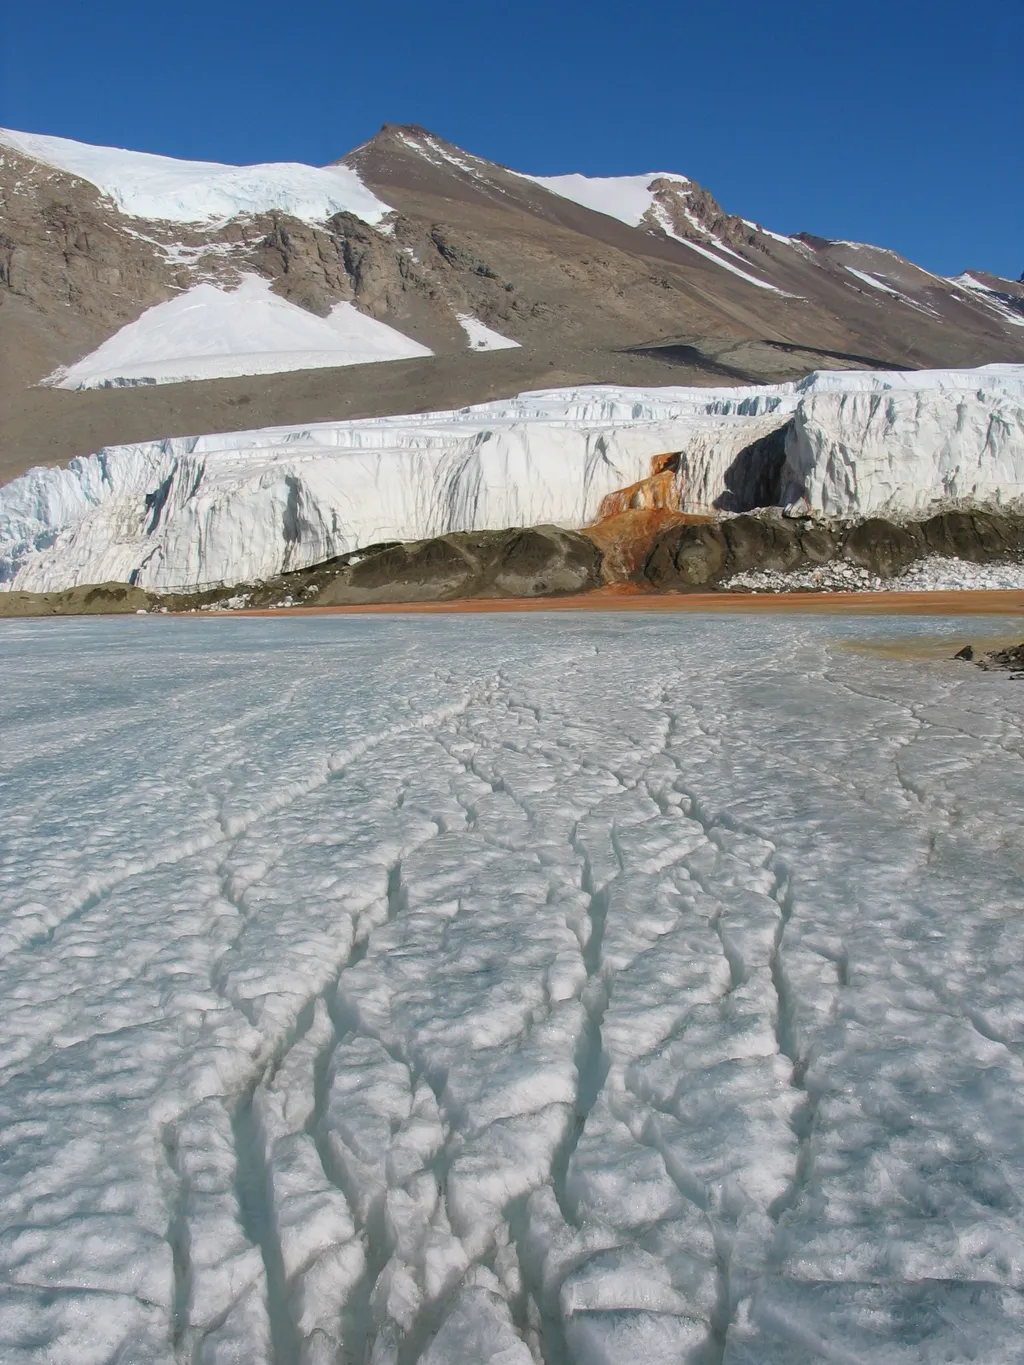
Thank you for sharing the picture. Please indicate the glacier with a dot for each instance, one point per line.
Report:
(182, 513)
(166, 189)
(598, 989)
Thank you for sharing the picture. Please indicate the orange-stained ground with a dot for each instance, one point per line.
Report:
(625, 597)
(625, 537)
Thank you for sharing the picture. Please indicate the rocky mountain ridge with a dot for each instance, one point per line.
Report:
(662, 285)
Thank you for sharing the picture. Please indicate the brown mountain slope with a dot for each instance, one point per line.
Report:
(688, 294)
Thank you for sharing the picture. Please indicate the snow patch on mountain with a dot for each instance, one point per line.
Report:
(874, 283)
(727, 265)
(626, 197)
(426, 145)
(213, 333)
(186, 512)
(144, 185)
(865, 278)
(483, 338)
(991, 298)
(775, 236)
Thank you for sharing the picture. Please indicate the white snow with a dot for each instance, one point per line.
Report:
(248, 505)
(427, 146)
(587, 989)
(212, 333)
(865, 278)
(482, 338)
(626, 197)
(661, 216)
(144, 185)
(727, 265)
(775, 236)
(884, 288)
(968, 281)
(631, 199)
(991, 298)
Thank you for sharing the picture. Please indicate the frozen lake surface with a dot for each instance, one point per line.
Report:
(585, 989)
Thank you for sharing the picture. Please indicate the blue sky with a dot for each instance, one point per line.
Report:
(900, 123)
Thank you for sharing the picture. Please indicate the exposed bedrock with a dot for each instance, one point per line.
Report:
(687, 556)
(538, 561)
(97, 599)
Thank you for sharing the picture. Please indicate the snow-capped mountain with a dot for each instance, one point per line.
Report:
(120, 269)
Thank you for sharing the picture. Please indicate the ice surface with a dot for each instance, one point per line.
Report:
(212, 333)
(187, 511)
(904, 451)
(160, 187)
(577, 989)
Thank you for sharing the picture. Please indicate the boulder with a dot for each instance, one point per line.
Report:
(818, 543)
(761, 543)
(883, 547)
(686, 557)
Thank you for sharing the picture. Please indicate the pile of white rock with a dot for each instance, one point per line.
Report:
(934, 574)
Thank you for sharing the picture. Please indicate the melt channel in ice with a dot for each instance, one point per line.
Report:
(191, 511)
(593, 990)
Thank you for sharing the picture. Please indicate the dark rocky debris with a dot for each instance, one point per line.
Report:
(1009, 660)
(702, 556)
(548, 561)
(538, 561)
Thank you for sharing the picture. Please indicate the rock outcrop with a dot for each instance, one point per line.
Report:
(702, 556)
(98, 599)
(535, 561)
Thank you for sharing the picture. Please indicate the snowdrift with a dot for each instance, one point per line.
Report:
(212, 333)
(198, 511)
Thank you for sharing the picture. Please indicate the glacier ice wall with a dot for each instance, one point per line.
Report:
(187, 512)
(902, 451)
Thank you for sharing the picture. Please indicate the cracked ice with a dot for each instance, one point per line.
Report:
(563, 989)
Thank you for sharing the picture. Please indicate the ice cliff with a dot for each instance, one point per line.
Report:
(186, 512)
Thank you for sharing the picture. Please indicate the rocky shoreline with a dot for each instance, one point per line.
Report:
(666, 554)
(1009, 660)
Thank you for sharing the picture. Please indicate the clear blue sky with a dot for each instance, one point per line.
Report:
(900, 123)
